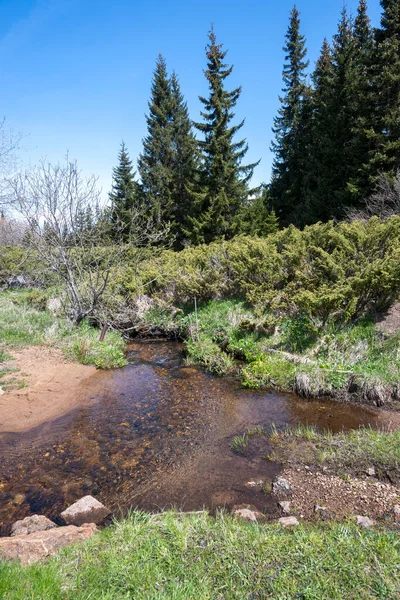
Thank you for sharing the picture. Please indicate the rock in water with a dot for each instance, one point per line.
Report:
(37, 546)
(281, 486)
(85, 510)
(32, 525)
(288, 521)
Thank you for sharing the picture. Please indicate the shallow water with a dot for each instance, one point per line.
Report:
(157, 435)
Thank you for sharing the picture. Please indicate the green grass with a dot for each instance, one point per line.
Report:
(22, 324)
(278, 356)
(182, 557)
(239, 444)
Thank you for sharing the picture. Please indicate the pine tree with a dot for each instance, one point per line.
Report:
(331, 158)
(321, 156)
(291, 127)
(223, 178)
(256, 217)
(124, 196)
(363, 108)
(184, 166)
(386, 131)
(155, 162)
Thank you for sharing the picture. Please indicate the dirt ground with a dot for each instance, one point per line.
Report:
(43, 386)
(341, 497)
(390, 321)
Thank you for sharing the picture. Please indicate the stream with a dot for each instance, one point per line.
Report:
(156, 434)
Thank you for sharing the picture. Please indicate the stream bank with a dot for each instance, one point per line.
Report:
(153, 435)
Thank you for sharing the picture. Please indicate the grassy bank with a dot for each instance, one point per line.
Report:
(195, 556)
(24, 320)
(348, 361)
(341, 453)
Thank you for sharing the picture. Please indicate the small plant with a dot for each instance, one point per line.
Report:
(240, 443)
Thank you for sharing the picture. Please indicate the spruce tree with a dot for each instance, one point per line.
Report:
(124, 196)
(321, 156)
(223, 179)
(155, 162)
(386, 131)
(257, 217)
(291, 127)
(168, 163)
(185, 159)
(363, 108)
(331, 161)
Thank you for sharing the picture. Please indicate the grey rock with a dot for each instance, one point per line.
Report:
(41, 544)
(364, 521)
(396, 511)
(281, 487)
(318, 508)
(371, 472)
(285, 506)
(16, 281)
(32, 525)
(288, 521)
(85, 510)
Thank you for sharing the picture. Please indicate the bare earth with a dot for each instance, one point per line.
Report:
(390, 321)
(342, 497)
(53, 386)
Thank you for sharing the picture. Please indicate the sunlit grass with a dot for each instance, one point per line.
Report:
(182, 557)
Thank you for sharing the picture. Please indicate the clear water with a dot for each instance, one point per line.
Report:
(155, 434)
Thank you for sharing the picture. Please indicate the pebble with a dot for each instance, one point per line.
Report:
(285, 506)
(288, 521)
(364, 521)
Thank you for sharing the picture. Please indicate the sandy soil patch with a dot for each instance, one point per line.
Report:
(53, 386)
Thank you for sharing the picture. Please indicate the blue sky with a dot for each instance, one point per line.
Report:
(76, 74)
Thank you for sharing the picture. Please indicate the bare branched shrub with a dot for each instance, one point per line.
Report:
(383, 203)
(69, 232)
(10, 141)
(12, 232)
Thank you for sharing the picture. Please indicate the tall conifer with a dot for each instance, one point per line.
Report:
(363, 108)
(155, 162)
(331, 159)
(223, 178)
(290, 127)
(185, 162)
(386, 134)
(124, 196)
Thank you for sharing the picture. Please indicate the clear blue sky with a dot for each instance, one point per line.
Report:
(76, 74)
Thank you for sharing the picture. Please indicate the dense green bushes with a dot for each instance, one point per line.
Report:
(326, 271)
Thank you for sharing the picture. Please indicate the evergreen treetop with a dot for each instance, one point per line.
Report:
(155, 161)
(290, 126)
(223, 178)
(124, 195)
